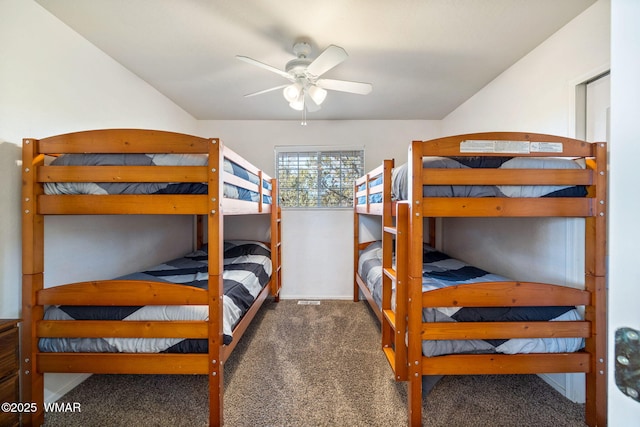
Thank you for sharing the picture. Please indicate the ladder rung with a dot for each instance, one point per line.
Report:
(391, 230)
(391, 357)
(390, 315)
(390, 273)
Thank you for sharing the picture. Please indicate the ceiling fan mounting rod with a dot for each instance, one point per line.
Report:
(301, 49)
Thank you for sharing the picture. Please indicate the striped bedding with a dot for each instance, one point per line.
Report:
(440, 270)
(230, 191)
(247, 269)
(399, 181)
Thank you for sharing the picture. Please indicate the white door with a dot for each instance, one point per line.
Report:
(624, 352)
(624, 203)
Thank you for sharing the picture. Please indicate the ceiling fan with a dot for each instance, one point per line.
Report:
(307, 90)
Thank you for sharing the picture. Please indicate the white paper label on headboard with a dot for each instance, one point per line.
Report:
(546, 147)
(483, 146)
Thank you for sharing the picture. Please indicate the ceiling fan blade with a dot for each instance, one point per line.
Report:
(265, 66)
(329, 58)
(345, 86)
(266, 90)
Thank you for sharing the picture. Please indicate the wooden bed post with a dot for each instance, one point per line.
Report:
(32, 381)
(216, 284)
(416, 233)
(432, 232)
(596, 283)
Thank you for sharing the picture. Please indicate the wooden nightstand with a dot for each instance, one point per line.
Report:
(9, 370)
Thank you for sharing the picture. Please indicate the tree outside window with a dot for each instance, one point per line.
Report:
(322, 178)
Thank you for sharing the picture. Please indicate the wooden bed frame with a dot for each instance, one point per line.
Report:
(403, 227)
(120, 292)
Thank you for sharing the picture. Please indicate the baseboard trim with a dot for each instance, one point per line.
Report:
(571, 386)
(57, 385)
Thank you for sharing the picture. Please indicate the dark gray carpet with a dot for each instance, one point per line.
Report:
(309, 365)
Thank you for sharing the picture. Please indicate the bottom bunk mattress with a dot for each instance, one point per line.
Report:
(370, 270)
(247, 270)
(440, 270)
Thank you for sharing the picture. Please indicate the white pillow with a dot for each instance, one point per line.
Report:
(535, 163)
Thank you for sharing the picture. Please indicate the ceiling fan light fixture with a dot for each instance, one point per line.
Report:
(292, 92)
(297, 104)
(318, 94)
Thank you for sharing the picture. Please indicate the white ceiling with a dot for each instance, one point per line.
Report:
(423, 57)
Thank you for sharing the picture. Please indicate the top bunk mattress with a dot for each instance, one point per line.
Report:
(399, 180)
(103, 188)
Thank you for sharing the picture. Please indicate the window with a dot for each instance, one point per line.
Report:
(320, 177)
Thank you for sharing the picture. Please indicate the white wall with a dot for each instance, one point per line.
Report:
(53, 81)
(624, 234)
(537, 94)
(318, 244)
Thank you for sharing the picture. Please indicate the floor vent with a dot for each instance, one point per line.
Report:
(308, 302)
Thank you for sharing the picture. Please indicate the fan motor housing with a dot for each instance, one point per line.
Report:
(299, 65)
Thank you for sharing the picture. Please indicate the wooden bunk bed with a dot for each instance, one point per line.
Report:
(403, 244)
(212, 174)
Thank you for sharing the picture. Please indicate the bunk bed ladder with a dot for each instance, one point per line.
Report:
(394, 319)
(276, 241)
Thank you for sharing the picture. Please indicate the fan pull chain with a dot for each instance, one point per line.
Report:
(304, 116)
